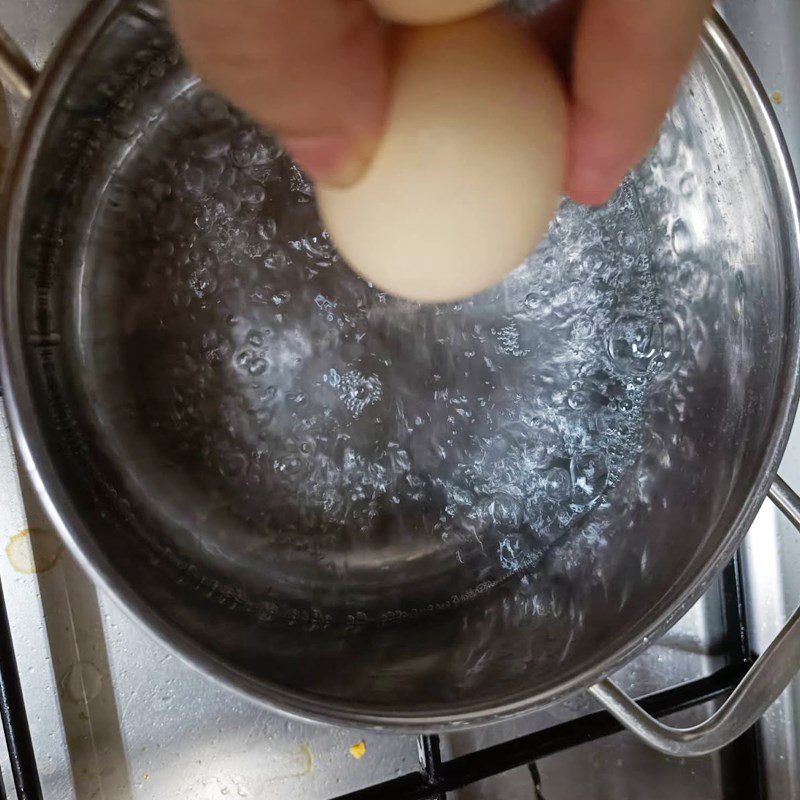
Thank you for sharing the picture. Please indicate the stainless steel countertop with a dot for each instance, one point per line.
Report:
(115, 716)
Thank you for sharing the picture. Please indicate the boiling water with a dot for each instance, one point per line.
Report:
(335, 421)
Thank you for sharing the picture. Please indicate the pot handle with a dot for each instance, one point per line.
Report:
(16, 72)
(763, 684)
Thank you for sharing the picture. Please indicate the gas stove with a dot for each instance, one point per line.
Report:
(101, 710)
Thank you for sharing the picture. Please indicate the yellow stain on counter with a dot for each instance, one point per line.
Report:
(34, 550)
(358, 750)
(304, 762)
(308, 761)
(777, 98)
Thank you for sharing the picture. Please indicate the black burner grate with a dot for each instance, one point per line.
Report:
(742, 771)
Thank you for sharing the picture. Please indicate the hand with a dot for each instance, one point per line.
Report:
(623, 60)
(316, 72)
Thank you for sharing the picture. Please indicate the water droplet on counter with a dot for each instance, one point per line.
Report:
(82, 682)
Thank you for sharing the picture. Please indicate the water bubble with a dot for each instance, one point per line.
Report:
(244, 149)
(356, 391)
(557, 483)
(243, 359)
(288, 465)
(668, 146)
(508, 340)
(688, 185)
(589, 474)
(203, 282)
(319, 248)
(582, 329)
(693, 279)
(538, 303)
(682, 240)
(257, 366)
(301, 185)
(276, 259)
(565, 302)
(673, 346)
(579, 400)
(633, 343)
(214, 348)
(567, 219)
(255, 338)
(267, 229)
(543, 442)
(226, 202)
(507, 556)
(253, 193)
(212, 144)
(325, 305)
(213, 107)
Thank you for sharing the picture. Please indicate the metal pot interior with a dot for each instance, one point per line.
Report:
(352, 506)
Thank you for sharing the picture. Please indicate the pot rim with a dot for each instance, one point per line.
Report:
(31, 447)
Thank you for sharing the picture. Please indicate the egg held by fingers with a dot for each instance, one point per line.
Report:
(429, 12)
(469, 172)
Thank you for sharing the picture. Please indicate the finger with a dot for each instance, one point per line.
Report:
(555, 29)
(629, 57)
(312, 71)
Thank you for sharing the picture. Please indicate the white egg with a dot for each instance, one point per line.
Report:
(470, 168)
(429, 12)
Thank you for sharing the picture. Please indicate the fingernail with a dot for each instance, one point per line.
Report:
(599, 154)
(589, 185)
(592, 173)
(329, 158)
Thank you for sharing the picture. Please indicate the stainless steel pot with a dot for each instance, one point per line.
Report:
(362, 511)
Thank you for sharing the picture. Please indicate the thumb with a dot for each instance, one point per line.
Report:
(314, 72)
(629, 58)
